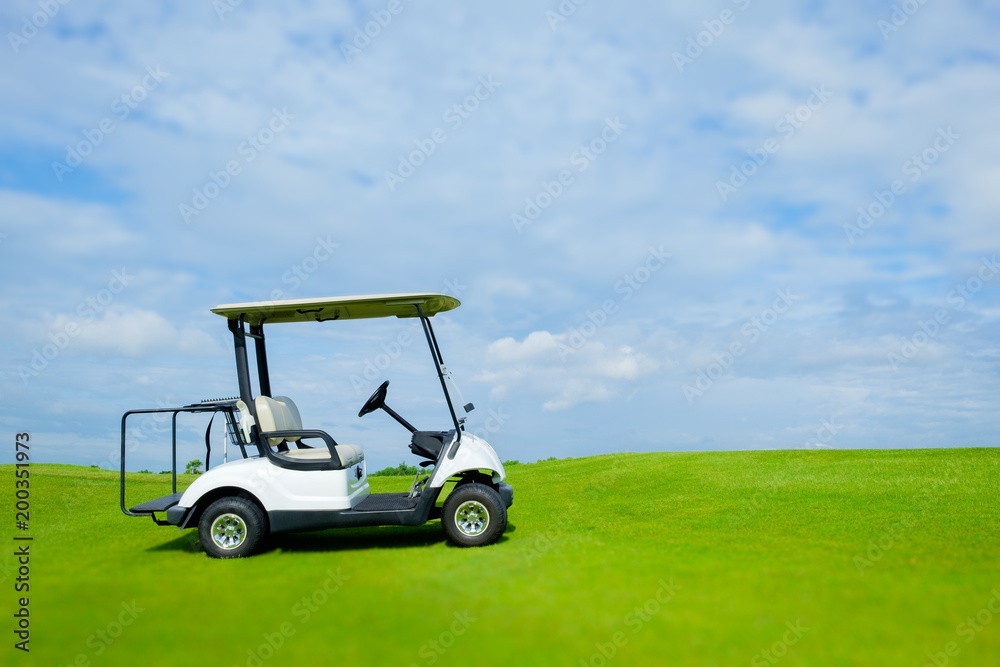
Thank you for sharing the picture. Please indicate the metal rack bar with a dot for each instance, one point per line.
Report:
(228, 407)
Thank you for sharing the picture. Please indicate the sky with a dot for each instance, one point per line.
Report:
(672, 226)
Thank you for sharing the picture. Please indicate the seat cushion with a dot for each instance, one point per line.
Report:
(349, 454)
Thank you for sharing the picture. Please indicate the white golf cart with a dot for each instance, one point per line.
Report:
(283, 484)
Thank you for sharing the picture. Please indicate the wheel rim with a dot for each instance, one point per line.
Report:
(229, 531)
(472, 518)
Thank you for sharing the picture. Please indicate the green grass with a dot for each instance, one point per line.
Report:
(734, 544)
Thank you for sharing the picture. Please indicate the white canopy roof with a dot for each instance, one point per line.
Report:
(338, 308)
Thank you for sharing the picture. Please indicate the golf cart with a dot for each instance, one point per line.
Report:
(282, 484)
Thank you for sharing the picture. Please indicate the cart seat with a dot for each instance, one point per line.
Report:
(279, 413)
(349, 454)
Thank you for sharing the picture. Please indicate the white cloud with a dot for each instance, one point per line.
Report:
(563, 370)
(134, 333)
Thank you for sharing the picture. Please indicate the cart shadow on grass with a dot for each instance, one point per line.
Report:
(356, 539)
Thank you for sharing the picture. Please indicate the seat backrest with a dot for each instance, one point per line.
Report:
(277, 413)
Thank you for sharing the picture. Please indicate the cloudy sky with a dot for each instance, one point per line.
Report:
(673, 226)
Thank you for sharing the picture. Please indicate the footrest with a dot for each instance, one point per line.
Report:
(382, 502)
(158, 505)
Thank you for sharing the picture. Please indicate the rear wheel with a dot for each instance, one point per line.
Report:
(231, 527)
(473, 515)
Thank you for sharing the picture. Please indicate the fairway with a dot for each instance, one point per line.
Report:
(723, 558)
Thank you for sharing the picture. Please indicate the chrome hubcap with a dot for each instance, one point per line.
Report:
(472, 518)
(229, 531)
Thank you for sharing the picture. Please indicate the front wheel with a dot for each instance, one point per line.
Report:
(231, 527)
(473, 515)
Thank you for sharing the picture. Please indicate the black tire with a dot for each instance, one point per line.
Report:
(238, 525)
(473, 515)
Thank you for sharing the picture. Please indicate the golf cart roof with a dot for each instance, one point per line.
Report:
(338, 308)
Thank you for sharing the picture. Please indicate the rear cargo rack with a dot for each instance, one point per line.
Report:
(227, 406)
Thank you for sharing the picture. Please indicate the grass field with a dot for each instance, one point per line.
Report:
(722, 558)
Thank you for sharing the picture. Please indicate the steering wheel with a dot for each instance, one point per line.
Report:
(376, 401)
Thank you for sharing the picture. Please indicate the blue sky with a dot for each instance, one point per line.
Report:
(732, 225)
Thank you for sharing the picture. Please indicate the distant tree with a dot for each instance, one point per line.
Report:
(164, 472)
(193, 467)
(148, 472)
(397, 471)
(512, 462)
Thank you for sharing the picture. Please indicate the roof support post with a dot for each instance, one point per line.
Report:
(242, 366)
(439, 364)
(263, 376)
